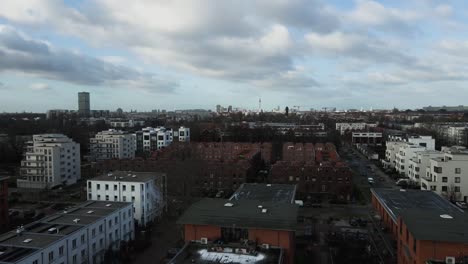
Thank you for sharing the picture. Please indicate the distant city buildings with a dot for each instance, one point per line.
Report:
(86, 233)
(146, 190)
(353, 126)
(113, 144)
(84, 108)
(126, 123)
(50, 160)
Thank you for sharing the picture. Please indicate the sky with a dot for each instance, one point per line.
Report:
(182, 54)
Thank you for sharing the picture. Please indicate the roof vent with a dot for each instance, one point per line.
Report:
(108, 205)
(228, 205)
(446, 216)
(52, 230)
(76, 220)
(264, 210)
(109, 174)
(260, 206)
(133, 176)
(27, 240)
(402, 190)
(268, 185)
(90, 212)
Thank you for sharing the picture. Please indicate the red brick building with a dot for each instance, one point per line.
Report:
(425, 226)
(4, 220)
(266, 224)
(315, 169)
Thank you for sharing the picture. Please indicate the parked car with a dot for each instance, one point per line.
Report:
(461, 204)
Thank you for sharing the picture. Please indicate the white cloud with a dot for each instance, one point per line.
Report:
(39, 87)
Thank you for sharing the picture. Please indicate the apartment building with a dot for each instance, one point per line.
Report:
(146, 190)
(50, 160)
(370, 138)
(448, 175)
(353, 126)
(419, 165)
(404, 154)
(82, 234)
(396, 144)
(113, 144)
(184, 134)
(151, 139)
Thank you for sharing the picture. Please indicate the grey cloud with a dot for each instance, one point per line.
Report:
(29, 56)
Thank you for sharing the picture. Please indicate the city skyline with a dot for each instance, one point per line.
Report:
(182, 55)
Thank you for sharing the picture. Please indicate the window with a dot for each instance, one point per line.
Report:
(51, 256)
(133, 188)
(457, 180)
(124, 188)
(437, 169)
(124, 198)
(61, 251)
(133, 198)
(93, 232)
(444, 188)
(107, 197)
(74, 259)
(83, 254)
(110, 223)
(457, 170)
(99, 197)
(457, 188)
(98, 186)
(116, 220)
(100, 228)
(115, 187)
(90, 196)
(82, 239)
(444, 179)
(74, 243)
(89, 185)
(36, 262)
(115, 198)
(107, 187)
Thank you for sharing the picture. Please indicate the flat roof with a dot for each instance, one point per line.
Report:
(128, 176)
(199, 253)
(242, 213)
(46, 231)
(437, 226)
(394, 201)
(280, 193)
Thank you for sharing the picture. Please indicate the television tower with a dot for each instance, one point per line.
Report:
(259, 104)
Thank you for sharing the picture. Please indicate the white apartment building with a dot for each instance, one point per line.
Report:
(396, 142)
(448, 175)
(404, 153)
(151, 139)
(82, 234)
(50, 160)
(419, 165)
(342, 127)
(126, 123)
(184, 134)
(146, 190)
(113, 144)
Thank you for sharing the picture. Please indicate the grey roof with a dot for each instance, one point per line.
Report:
(394, 201)
(128, 176)
(243, 213)
(429, 225)
(280, 193)
(40, 234)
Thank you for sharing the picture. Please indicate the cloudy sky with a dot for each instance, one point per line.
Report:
(176, 54)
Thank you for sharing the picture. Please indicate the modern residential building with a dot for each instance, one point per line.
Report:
(146, 190)
(50, 160)
(113, 144)
(246, 226)
(448, 175)
(419, 165)
(184, 134)
(404, 154)
(84, 108)
(151, 139)
(82, 234)
(4, 218)
(395, 143)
